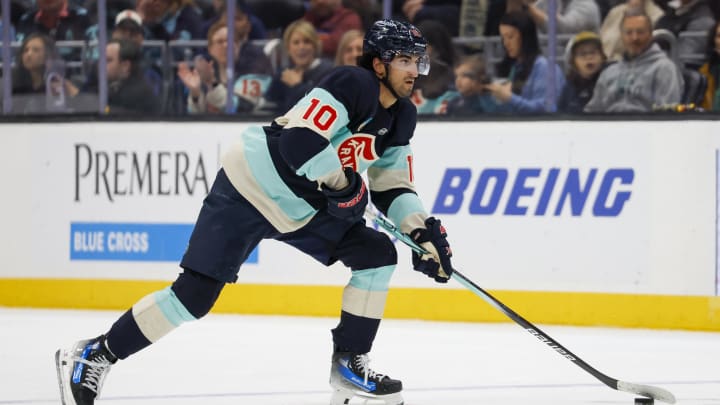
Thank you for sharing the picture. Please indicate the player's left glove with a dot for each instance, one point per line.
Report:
(350, 202)
(433, 238)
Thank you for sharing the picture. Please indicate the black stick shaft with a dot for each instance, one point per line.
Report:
(533, 330)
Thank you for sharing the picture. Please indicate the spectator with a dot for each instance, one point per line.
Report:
(434, 90)
(644, 79)
(127, 90)
(690, 16)
(331, 20)
(711, 70)
(38, 82)
(169, 20)
(207, 82)
(446, 12)
(586, 60)
(610, 30)
(243, 17)
(350, 48)
(128, 25)
(525, 68)
(573, 16)
(60, 21)
(302, 45)
(470, 79)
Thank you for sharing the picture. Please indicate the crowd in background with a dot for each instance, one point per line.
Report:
(487, 56)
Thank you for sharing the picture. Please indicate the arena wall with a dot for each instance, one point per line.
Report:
(568, 222)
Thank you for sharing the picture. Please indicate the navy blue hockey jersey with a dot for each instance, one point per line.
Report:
(339, 123)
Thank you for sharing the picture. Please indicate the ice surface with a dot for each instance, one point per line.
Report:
(261, 360)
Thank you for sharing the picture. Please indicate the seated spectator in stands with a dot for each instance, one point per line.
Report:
(573, 16)
(128, 25)
(524, 69)
(169, 20)
(38, 79)
(690, 16)
(446, 12)
(586, 62)
(61, 21)
(610, 30)
(644, 79)
(349, 48)
(207, 81)
(470, 79)
(711, 70)
(290, 84)
(433, 91)
(243, 17)
(331, 20)
(128, 93)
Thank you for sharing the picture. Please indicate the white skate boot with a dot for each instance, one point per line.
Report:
(81, 370)
(350, 376)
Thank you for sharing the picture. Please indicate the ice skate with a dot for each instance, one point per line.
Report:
(351, 376)
(81, 370)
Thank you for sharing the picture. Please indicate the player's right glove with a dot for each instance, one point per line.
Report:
(433, 238)
(348, 203)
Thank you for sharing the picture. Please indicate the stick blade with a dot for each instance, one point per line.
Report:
(647, 390)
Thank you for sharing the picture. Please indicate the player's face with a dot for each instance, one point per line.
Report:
(402, 74)
(717, 38)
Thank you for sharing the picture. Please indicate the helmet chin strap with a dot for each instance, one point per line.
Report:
(386, 81)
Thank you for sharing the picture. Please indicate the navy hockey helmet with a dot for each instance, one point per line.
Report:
(389, 38)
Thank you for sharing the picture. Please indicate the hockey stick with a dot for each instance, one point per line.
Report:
(640, 389)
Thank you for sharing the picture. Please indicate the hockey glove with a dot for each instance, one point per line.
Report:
(433, 238)
(350, 202)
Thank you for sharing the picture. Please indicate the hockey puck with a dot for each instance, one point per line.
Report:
(644, 401)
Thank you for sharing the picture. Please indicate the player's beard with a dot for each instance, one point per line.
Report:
(402, 88)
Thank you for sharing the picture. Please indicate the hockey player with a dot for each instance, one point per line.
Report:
(298, 181)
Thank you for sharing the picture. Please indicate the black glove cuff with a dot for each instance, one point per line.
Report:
(352, 178)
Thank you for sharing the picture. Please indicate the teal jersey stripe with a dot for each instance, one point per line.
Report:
(394, 157)
(403, 206)
(171, 307)
(321, 164)
(263, 170)
(321, 112)
(377, 279)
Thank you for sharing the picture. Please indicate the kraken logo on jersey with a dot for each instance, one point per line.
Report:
(356, 148)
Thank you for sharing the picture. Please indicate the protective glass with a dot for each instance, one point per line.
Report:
(408, 64)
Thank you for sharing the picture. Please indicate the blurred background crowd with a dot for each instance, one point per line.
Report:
(181, 57)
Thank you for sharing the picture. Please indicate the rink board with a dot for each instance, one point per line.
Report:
(609, 223)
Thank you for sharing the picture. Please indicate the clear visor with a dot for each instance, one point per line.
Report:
(412, 63)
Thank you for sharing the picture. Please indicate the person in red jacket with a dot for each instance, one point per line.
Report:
(331, 20)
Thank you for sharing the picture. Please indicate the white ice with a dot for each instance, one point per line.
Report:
(262, 360)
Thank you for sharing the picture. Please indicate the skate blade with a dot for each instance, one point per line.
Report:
(344, 397)
(63, 373)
